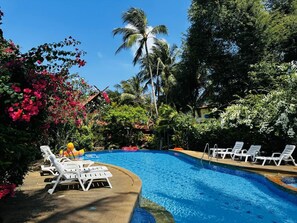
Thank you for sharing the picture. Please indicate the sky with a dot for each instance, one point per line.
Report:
(30, 23)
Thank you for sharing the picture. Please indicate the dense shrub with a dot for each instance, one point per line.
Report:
(121, 125)
(36, 96)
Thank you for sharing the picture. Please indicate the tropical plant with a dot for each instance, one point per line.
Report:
(225, 38)
(121, 125)
(164, 66)
(132, 92)
(271, 116)
(138, 32)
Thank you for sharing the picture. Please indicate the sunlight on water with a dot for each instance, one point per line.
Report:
(208, 193)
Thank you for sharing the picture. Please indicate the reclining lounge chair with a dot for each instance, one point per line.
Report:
(229, 151)
(277, 158)
(84, 177)
(250, 153)
(83, 164)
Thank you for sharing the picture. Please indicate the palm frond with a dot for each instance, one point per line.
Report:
(139, 51)
(132, 39)
(160, 29)
(123, 46)
(137, 18)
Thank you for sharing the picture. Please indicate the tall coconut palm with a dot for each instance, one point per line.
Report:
(164, 61)
(137, 32)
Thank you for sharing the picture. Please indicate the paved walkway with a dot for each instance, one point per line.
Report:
(32, 203)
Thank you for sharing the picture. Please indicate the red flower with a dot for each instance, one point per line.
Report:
(26, 118)
(16, 115)
(37, 95)
(27, 90)
(8, 50)
(105, 95)
(16, 88)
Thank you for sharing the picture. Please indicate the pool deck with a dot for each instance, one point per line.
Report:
(32, 203)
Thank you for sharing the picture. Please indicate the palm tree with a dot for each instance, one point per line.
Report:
(138, 32)
(132, 91)
(164, 61)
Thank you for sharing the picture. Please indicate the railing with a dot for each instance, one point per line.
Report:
(208, 151)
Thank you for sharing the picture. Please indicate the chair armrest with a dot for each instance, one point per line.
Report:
(71, 166)
(63, 159)
(273, 154)
(240, 152)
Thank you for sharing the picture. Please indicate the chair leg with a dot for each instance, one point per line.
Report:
(89, 184)
(51, 191)
(108, 182)
(264, 161)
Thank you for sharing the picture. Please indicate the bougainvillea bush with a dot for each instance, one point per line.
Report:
(36, 96)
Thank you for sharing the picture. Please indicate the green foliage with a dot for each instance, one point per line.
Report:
(271, 117)
(224, 39)
(84, 138)
(137, 31)
(121, 128)
(35, 94)
(175, 129)
(18, 149)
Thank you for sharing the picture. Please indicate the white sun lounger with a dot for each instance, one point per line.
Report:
(83, 164)
(250, 153)
(227, 151)
(77, 175)
(277, 158)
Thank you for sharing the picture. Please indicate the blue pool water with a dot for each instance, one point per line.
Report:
(142, 216)
(292, 181)
(198, 192)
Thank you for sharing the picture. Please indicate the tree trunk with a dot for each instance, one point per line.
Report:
(152, 81)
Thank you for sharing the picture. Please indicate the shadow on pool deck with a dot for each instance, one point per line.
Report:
(32, 203)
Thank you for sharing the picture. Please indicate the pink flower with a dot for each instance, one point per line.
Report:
(27, 90)
(37, 95)
(16, 88)
(105, 95)
(16, 115)
(26, 118)
(8, 50)
(39, 61)
(78, 122)
(10, 109)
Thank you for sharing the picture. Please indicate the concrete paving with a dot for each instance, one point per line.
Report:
(32, 203)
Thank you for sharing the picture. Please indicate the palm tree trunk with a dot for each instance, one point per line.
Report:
(152, 81)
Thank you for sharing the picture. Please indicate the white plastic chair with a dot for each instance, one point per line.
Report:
(277, 158)
(77, 175)
(230, 151)
(83, 164)
(250, 153)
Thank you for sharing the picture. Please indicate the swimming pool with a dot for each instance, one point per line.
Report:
(292, 181)
(194, 191)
